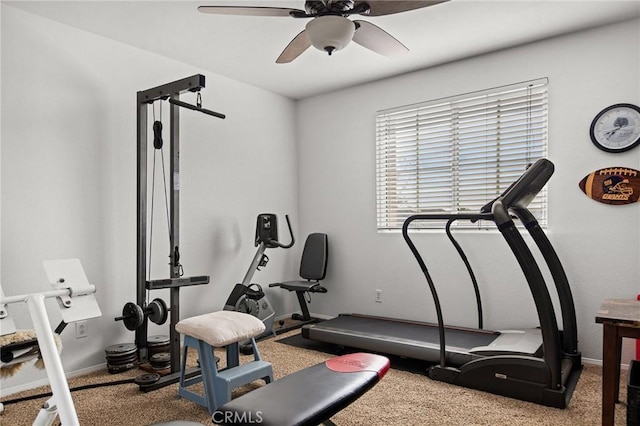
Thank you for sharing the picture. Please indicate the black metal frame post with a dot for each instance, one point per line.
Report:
(141, 242)
(171, 91)
(174, 243)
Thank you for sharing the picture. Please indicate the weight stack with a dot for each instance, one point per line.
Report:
(158, 344)
(121, 357)
(159, 352)
(160, 361)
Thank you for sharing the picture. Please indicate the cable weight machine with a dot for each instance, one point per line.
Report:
(136, 315)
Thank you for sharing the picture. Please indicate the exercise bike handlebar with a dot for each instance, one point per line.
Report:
(274, 243)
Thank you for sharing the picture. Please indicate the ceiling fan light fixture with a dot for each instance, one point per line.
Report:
(330, 33)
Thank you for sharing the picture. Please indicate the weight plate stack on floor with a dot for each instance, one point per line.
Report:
(121, 357)
(158, 344)
(160, 361)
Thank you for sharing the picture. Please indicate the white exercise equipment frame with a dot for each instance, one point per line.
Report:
(76, 301)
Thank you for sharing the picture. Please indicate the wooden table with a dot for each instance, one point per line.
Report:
(619, 318)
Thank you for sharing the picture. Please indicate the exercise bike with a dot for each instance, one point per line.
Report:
(250, 298)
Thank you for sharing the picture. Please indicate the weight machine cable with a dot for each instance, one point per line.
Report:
(153, 193)
(158, 145)
(153, 184)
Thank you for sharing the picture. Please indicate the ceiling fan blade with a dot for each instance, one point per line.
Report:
(250, 11)
(389, 7)
(378, 40)
(299, 44)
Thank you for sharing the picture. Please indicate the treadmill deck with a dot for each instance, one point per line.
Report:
(410, 339)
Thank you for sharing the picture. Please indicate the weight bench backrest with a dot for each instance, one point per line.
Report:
(313, 265)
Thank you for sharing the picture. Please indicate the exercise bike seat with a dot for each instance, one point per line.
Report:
(304, 286)
(313, 266)
(307, 397)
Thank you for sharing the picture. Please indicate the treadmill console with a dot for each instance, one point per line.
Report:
(525, 188)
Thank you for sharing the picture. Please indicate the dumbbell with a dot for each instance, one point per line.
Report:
(133, 315)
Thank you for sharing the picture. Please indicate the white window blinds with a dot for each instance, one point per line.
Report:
(456, 154)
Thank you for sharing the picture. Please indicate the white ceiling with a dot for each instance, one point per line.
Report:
(245, 47)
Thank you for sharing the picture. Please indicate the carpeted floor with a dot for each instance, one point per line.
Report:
(403, 397)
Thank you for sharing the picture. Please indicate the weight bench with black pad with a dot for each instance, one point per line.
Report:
(308, 397)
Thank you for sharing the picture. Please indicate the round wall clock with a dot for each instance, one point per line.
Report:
(616, 128)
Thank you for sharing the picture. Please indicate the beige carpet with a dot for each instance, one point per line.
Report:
(401, 398)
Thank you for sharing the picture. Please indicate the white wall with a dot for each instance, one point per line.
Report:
(597, 243)
(69, 177)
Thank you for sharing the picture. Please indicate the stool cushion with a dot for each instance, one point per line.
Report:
(221, 328)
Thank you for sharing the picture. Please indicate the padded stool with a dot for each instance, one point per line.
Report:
(217, 330)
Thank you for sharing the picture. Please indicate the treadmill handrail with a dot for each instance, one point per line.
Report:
(423, 266)
(474, 217)
(565, 297)
(466, 262)
(539, 292)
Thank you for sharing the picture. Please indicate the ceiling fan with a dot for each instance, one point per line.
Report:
(331, 29)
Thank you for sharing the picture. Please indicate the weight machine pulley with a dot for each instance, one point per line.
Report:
(136, 315)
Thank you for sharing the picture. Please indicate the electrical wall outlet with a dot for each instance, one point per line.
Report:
(81, 329)
(378, 296)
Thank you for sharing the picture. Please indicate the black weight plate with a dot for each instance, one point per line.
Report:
(133, 316)
(158, 313)
(161, 368)
(146, 379)
(121, 349)
(122, 356)
(122, 366)
(122, 360)
(157, 340)
(157, 349)
(114, 369)
(161, 357)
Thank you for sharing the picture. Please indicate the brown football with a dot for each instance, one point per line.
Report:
(613, 185)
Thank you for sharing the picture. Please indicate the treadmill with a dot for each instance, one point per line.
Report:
(540, 365)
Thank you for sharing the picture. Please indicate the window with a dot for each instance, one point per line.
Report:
(455, 154)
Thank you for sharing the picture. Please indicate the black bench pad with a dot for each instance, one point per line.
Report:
(309, 396)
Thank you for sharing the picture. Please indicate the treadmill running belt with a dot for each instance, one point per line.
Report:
(412, 340)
